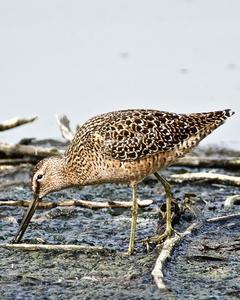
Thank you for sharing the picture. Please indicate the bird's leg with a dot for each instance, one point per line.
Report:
(169, 229)
(167, 188)
(134, 219)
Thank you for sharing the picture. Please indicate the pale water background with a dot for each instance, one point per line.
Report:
(83, 58)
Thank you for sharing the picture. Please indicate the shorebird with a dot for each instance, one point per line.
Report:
(122, 147)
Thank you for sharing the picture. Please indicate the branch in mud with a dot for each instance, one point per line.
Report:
(208, 162)
(207, 177)
(80, 203)
(224, 218)
(15, 150)
(15, 122)
(44, 247)
(165, 254)
(231, 201)
(17, 161)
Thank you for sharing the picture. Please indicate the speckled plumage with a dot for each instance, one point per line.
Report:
(124, 147)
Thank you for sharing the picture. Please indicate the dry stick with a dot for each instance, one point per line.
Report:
(209, 162)
(81, 203)
(165, 254)
(13, 150)
(64, 125)
(231, 200)
(15, 122)
(210, 177)
(223, 218)
(37, 247)
(16, 161)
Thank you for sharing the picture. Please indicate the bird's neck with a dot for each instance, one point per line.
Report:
(77, 173)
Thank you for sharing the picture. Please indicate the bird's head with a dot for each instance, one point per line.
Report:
(49, 175)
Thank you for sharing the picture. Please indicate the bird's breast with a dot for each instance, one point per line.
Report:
(116, 171)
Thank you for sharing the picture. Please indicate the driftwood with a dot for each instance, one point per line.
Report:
(16, 161)
(15, 122)
(223, 218)
(64, 126)
(208, 162)
(13, 150)
(208, 177)
(231, 200)
(165, 254)
(81, 203)
(44, 247)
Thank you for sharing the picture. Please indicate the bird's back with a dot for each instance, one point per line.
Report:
(129, 137)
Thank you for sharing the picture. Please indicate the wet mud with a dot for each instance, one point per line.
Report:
(206, 265)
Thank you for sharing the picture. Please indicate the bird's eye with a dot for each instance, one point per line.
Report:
(39, 177)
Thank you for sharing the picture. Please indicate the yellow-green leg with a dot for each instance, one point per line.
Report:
(167, 188)
(169, 229)
(134, 219)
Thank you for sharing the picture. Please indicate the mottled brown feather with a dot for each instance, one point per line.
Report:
(129, 135)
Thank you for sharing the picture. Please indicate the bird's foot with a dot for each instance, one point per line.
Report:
(129, 252)
(156, 239)
(126, 253)
(160, 238)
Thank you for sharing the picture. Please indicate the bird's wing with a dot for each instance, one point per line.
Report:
(133, 134)
(137, 134)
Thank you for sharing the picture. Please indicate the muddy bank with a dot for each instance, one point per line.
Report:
(206, 265)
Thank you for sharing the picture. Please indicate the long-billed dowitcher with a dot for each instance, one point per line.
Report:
(122, 147)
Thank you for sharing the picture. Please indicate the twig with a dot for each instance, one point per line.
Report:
(15, 122)
(81, 203)
(223, 218)
(165, 254)
(231, 200)
(64, 125)
(209, 177)
(208, 162)
(16, 161)
(13, 150)
(39, 247)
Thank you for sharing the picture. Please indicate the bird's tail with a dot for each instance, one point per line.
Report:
(201, 125)
(209, 121)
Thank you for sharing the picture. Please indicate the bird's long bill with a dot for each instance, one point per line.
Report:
(26, 219)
